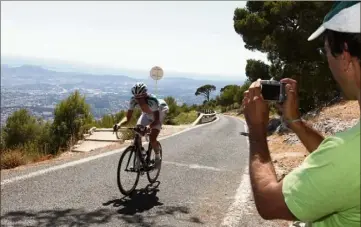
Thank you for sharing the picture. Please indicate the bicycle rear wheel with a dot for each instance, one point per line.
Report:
(153, 173)
(129, 165)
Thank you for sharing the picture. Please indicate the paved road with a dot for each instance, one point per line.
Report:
(203, 182)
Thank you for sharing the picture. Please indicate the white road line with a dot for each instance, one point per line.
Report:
(58, 167)
(239, 206)
(188, 129)
(73, 163)
(194, 166)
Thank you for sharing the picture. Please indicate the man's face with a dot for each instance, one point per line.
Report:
(339, 67)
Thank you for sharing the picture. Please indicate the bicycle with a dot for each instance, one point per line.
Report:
(140, 163)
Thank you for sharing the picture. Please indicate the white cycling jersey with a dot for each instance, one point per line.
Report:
(153, 102)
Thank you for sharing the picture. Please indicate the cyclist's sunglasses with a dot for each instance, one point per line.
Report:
(140, 96)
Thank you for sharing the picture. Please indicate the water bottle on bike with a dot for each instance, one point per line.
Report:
(144, 153)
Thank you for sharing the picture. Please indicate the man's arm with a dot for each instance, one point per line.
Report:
(267, 192)
(290, 110)
(310, 138)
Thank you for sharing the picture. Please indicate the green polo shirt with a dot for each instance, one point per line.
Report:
(325, 189)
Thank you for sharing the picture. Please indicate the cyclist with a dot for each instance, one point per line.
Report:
(154, 111)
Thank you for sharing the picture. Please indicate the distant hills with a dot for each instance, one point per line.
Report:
(39, 89)
(29, 75)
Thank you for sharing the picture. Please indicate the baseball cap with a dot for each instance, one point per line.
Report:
(344, 16)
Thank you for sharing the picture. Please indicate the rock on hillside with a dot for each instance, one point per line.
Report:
(333, 119)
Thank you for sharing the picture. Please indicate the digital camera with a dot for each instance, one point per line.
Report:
(273, 90)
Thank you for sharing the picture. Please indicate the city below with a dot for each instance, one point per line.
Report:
(39, 90)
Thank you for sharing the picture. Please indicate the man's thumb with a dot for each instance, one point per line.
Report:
(289, 91)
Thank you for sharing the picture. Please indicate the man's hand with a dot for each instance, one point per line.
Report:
(255, 108)
(290, 108)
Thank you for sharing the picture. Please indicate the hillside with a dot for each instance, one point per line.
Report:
(288, 152)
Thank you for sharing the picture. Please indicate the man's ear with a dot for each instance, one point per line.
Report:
(346, 58)
(352, 64)
(356, 67)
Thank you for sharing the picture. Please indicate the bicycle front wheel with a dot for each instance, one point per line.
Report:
(128, 171)
(153, 173)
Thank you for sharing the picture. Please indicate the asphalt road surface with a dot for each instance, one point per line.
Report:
(203, 182)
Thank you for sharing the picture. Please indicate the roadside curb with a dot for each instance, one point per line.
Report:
(89, 158)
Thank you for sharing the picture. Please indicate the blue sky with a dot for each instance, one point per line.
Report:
(179, 36)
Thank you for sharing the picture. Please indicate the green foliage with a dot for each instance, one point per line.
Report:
(70, 117)
(25, 138)
(174, 110)
(228, 95)
(205, 90)
(281, 29)
(257, 69)
(231, 96)
(107, 121)
(186, 117)
(20, 128)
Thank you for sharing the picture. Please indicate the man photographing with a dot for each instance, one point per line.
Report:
(325, 189)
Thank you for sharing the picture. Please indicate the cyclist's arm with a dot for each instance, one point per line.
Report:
(310, 138)
(127, 118)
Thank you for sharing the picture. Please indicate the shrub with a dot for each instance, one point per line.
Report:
(70, 117)
(20, 128)
(186, 118)
(12, 158)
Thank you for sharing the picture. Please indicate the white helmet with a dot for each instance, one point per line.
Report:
(139, 89)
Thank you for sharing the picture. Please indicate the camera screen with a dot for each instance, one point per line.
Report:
(270, 92)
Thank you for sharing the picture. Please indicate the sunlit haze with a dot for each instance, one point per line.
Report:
(179, 36)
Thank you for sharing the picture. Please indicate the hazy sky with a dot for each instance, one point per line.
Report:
(180, 36)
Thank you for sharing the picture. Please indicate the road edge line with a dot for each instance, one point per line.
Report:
(239, 206)
(88, 159)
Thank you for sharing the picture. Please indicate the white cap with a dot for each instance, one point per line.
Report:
(343, 17)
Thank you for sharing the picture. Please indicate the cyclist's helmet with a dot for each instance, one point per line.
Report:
(139, 90)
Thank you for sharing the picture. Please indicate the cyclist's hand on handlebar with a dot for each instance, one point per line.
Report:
(116, 127)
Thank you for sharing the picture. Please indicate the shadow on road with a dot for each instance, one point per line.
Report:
(64, 217)
(141, 200)
(128, 209)
(145, 199)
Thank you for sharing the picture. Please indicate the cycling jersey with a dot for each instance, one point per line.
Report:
(153, 102)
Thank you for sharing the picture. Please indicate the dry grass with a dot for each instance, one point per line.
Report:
(20, 156)
(345, 110)
(12, 158)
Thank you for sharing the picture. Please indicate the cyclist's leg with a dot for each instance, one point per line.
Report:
(156, 130)
(143, 120)
(154, 135)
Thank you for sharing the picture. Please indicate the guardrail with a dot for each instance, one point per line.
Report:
(207, 111)
(205, 116)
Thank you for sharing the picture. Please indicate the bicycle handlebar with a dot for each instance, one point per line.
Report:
(134, 129)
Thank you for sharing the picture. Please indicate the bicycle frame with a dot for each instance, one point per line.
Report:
(137, 143)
